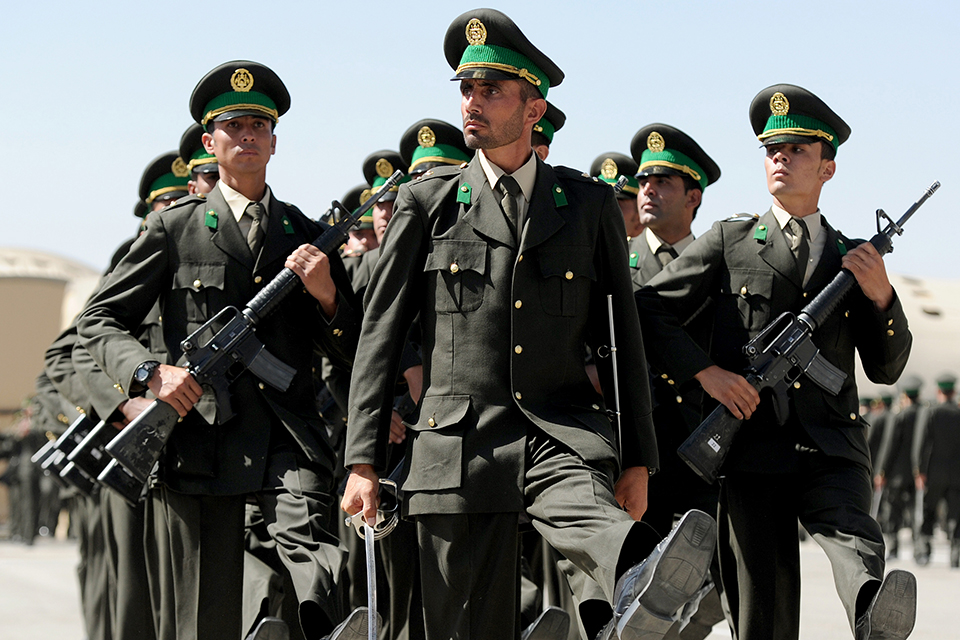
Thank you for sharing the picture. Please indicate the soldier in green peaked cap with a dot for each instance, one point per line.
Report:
(164, 181)
(507, 262)
(812, 464)
(203, 256)
(543, 131)
(204, 170)
(610, 167)
(429, 143)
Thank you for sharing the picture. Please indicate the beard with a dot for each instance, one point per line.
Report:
(491, 139)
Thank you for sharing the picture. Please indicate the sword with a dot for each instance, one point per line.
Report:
(368, 540)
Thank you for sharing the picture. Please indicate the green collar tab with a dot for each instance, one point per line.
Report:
(760, 233)
(559, 197)
(210, 219)
(634, 260)
(464, 193)
(841, 247)
(287, 227)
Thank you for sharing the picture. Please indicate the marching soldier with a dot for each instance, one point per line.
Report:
(507, 261)
(815, 466)
(543, 131)
(610, 167)
(939, 476)
(204, 171)
(196, 258)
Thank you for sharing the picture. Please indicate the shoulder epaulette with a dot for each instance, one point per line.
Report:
(575, 174)
(442, 172)
(742, 217)
(185, 201)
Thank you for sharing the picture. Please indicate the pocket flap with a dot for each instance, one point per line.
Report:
(199, 275)
(465, 254)
(749, 282)
(437, 412)
(567, 262)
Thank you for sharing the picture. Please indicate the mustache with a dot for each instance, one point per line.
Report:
(475, 117)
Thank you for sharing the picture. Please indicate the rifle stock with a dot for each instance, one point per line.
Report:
(707, 447)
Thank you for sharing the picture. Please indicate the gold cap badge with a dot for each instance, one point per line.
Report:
(476, 32)
(655, 142)
(779, 105)
(241, 80)
(426, 137)
(384, 168)
(180, 168)
(609, 169)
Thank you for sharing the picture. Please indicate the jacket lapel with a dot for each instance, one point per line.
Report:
(649, 264)
(775, 250)
(227, 235)
(542, 218)
(483, 213)
(277, 244)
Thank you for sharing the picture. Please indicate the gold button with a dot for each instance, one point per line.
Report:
(80, 410)
(520, 259)
(664, 376)
(518, 395)
(596, 406)
(432, 422)
(805, 294)
(258, 280)
(853, 416)
(197, 284)
(846, 314)
(762, 227)
(632, 255)
(454, 268)
(464, 188)
(743, 290)
(518, 349)
(159, 318)
(568, 275)
(559, 190)
(796, 385)
(890, 322)
(670, 382)
(286, 222)
(518, 304)
(679, 399)
(890, 332)
(260, 384)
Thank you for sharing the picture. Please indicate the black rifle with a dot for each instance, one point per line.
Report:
(52, 458)
(232, 349)
(781, 353)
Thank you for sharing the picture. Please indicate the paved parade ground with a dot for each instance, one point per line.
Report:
(38, 593)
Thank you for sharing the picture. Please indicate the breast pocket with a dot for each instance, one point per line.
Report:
(567, 273)
(200, 286)
(459, 271)
(745, 299)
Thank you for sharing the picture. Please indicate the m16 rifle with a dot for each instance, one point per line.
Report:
(782, 352)
(53, 457)
(232, 348)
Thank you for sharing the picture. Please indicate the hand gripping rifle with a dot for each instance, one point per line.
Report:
(232, 349)
(781, 353)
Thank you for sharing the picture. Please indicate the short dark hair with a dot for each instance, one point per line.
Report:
(529, 91)
(827, 152)
(688, 184)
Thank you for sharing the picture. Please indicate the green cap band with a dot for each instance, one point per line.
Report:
(201, 157)
(632, 186)
(490, 56)
(545, 128)
(234, 100)
(798, 125)
(443, 153)
(166, 184)
(673, 160)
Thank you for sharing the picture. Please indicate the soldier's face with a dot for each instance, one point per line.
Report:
(796, 169)
(662, 199)
(631, 216)
(494, 112)
(203, 182)
(241, 145)
(382, 212)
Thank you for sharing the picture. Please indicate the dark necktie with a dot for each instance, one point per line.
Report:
(509, 190)
(799, 244)
(666, 254)
(256, 234)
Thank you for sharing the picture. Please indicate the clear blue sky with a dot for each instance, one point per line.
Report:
(93, 91)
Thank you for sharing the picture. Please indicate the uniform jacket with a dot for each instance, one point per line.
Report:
(503, 334)
(750, 276)
(941, 446)
(194, 260)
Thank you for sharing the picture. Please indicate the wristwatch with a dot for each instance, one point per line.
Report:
(145, 371)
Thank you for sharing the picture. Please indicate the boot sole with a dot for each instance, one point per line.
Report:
(679, 573)
(895, 609)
